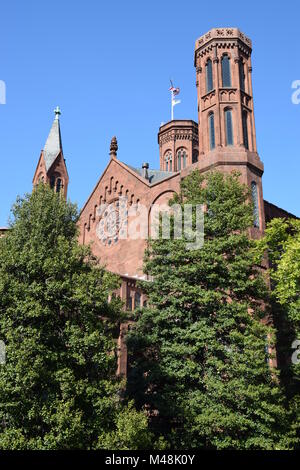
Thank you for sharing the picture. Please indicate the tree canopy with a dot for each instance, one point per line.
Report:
(58, 387)
(201, 352)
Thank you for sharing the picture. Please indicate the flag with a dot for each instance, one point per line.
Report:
(175, 90)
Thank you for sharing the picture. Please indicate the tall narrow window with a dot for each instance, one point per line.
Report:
(137, 300)
(211, 123)
(242, 75)
(58, 185)
(168, 162)
(195, 156)
(52, 182)
(226, 74)
(245, 129)
(129, 303)
(255, 204)
(179, 161)
(209, 76)
(183, 159)
(228, 127)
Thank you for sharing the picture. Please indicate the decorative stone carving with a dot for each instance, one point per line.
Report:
(113, 147)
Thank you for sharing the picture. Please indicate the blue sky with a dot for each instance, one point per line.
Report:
(108, 64)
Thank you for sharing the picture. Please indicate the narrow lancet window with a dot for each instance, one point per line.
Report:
(228, 127)
(255, 204)
(226, 72)
(209, 76)
(211, 122)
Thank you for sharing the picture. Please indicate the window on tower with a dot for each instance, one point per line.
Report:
(181, 159)
(242, 75)
(245, 129)
(209, 76)
(254, 193)
(226, 73)
(211, 125)
(228, 127)
(195, 156)
(168, 162)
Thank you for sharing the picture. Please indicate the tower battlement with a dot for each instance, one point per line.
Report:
(223, 37)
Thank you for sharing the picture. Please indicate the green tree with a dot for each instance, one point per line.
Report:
(282, 243)
(58, 388)
(130, 433)
(198, 359)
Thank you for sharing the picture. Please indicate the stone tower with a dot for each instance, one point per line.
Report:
(227, 138)
(51, 167)
(178, 144)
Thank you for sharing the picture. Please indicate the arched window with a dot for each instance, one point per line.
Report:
(254, 193)
(209, 76)
(58, 185)
(168, 162)
(211, 125)
(228, 127)
(226, 73)
(245, 129)
(242, 75)
(52, 182)
(181, 159)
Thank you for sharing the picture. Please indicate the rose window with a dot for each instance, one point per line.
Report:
(113, 222)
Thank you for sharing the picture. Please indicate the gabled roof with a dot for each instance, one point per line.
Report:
(154, 176)
(53, 146)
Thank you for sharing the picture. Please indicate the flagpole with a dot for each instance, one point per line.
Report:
(172, 107)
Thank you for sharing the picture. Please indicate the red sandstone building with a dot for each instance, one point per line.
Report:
(224, 139)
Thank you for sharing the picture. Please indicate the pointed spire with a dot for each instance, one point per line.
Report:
(113, 147)
(53, 146)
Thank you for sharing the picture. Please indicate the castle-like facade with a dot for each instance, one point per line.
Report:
(223, 139)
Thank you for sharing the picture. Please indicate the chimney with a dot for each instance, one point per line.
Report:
(145, 167)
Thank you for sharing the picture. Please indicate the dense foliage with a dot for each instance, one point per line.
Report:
(200, 353)
(58, 387)
(282, 244)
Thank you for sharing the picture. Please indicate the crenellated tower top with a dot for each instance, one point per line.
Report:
(222, 37)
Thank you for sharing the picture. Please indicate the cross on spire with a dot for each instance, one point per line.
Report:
(57, 112)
